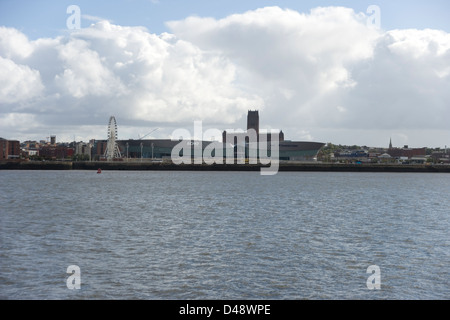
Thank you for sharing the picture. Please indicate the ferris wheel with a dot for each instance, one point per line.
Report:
(112, 149)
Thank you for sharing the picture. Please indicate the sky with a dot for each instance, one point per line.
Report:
(345, 72)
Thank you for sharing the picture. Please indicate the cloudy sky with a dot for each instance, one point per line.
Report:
(328, 71)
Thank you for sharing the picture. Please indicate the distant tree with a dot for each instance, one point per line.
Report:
(80, 157)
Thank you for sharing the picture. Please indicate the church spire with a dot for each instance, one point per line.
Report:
(390, 143)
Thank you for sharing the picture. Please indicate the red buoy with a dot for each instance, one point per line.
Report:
(99, 170)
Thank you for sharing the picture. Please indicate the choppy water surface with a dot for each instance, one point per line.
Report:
(223, 235)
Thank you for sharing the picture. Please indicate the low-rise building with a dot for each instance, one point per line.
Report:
(55, 152)
(441, 156)
(407, 152)
(9, 149)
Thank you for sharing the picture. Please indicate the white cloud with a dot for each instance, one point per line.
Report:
(327, 70)
(317, 76)
(94, 18)
(282, 51)
(18, 125)
(18, 83)
(85, 72)
(404, 85)
(126, 71)
(14, 44)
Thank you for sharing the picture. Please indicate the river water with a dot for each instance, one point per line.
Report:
(224, 235)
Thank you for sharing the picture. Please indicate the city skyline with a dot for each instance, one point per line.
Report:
(51, 139)
(318, 70)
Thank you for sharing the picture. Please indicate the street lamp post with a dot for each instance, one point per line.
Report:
(152, 150)
(141, 151)
(127, 151)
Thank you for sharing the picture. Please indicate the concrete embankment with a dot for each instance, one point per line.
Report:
(140, 166)
(36, 165)
(364, 167)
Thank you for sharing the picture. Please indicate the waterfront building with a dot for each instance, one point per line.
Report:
(407, 152)
(56, 152)
(161, 149)
(148, 149)
(253, 120)
(83, 150)
(288, 150)
(99, 147)
(9, 149)
(441, 156)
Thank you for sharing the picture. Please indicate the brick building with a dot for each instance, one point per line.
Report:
(99, 148)
(55, 152)
(9, 149)
(407, 152)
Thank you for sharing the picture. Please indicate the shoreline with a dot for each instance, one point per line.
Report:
(163, 166)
